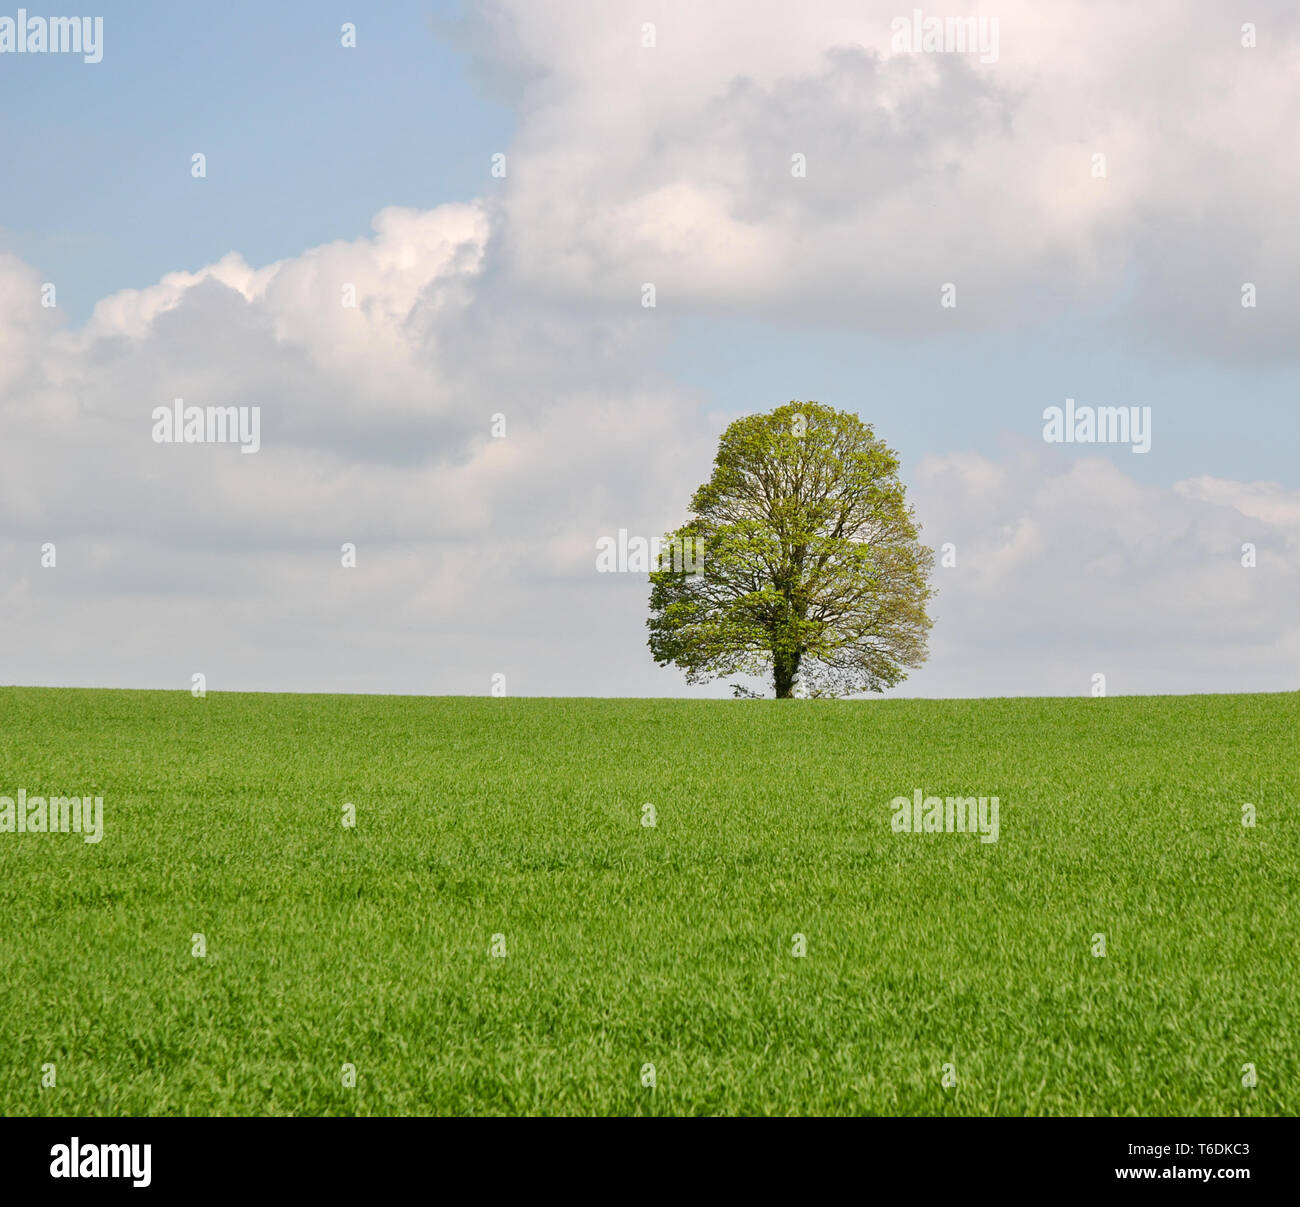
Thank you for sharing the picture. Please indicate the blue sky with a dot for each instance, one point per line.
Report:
(976, 390)
(305, 140)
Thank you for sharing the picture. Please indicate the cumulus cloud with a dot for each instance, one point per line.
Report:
(474, 553)
(673, 163)
(1065, 569)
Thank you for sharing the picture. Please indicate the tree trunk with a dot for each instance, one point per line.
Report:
(785, 668)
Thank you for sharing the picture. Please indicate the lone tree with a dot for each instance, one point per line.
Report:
(811, 567)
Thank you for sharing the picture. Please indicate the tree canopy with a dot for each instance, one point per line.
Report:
(811, 568)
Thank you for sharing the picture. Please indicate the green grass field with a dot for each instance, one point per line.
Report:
(629, 945)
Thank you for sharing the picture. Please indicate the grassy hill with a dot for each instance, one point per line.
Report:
(630, 945)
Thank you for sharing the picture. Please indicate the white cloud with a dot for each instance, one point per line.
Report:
(1268, 501)
(672, 164)
(474, 554)
(1068, 568)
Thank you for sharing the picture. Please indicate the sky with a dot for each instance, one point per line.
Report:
(947, 242)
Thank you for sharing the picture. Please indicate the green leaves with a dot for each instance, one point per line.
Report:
(813, 570)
